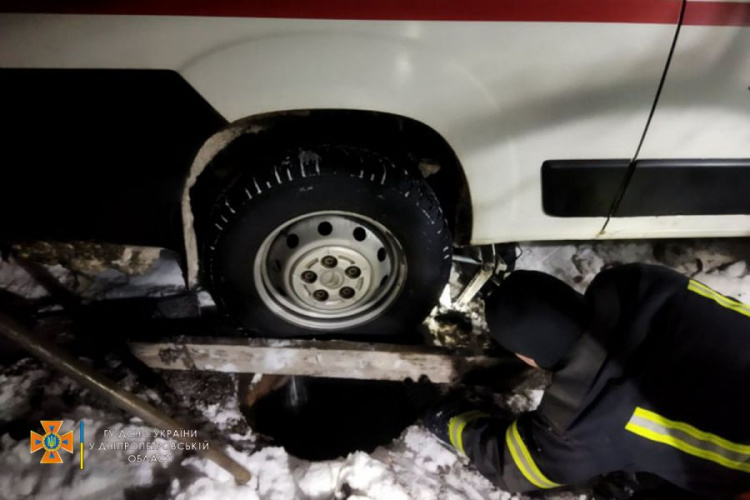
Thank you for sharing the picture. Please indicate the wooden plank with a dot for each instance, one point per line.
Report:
(333, 359)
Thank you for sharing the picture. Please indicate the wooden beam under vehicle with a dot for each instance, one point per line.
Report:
(332, 359)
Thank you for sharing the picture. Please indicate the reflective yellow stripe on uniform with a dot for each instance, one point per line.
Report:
(726, 302)
(523, 459)
(457, 424)
(690, 440)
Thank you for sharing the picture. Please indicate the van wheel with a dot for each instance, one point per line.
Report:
(328, 240)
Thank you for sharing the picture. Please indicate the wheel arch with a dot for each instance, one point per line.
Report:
(397, 134)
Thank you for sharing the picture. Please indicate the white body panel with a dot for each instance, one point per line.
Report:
(703, 112)
(505, 95)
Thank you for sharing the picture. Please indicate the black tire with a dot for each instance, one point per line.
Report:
(318, 179)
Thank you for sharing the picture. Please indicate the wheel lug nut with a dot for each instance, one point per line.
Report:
(346, 292)
(329, 261)
(309, 276)
(320, 295)
(353, 272)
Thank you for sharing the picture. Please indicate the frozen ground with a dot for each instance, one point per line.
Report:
(415, 466)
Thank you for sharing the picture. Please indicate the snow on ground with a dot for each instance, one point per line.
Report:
(415, 466)
(136, 272)
(721, 264)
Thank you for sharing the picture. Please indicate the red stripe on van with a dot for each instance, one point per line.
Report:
(717, 14)
(698, 13)
(596, 11)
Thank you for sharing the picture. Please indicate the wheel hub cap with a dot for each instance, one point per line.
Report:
(334, 279)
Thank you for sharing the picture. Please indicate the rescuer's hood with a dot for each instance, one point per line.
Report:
(537, 315)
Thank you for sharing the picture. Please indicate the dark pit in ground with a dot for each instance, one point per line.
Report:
(322, 419)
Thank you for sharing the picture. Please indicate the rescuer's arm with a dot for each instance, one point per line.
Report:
(501, 449)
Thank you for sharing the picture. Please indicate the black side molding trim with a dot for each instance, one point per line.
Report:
(581, 188)
(586, 188)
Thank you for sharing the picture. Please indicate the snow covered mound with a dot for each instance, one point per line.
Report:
(416, 467)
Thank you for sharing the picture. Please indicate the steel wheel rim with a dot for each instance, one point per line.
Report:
(329, 270)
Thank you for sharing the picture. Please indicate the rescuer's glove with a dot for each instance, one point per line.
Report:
(437, 417)
(615, 486)
(422, 393)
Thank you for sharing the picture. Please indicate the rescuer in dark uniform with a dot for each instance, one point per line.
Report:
(651, 373)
